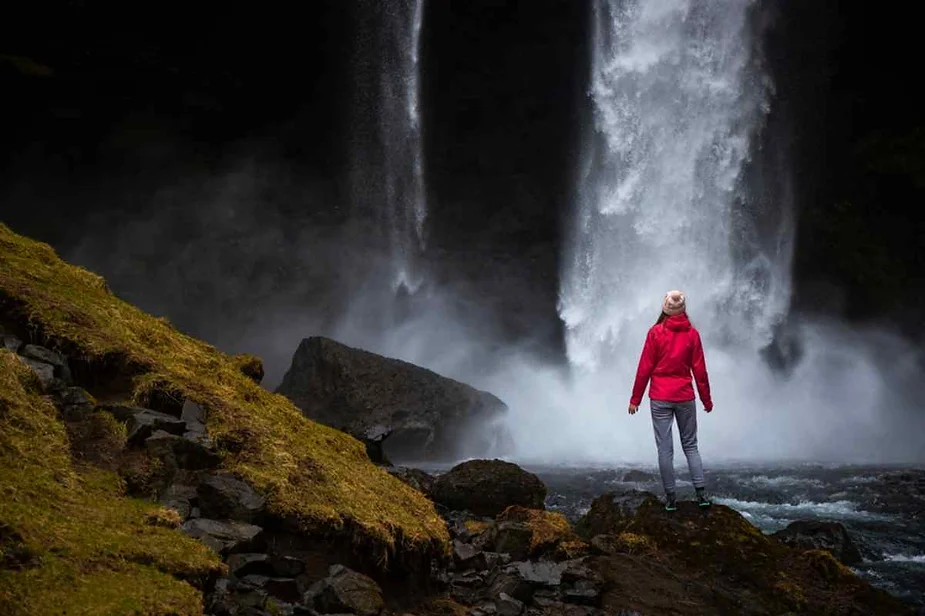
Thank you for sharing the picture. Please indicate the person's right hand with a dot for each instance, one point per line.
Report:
(708, 410)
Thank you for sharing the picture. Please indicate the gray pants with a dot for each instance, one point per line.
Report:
(663, 416)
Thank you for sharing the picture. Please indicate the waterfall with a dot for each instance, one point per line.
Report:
(679, 95)
(400, 127)
(387, 178)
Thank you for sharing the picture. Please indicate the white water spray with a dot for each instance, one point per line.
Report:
(401, 137)
(669, 197)
(677, 96)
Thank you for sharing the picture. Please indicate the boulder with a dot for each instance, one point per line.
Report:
(417, 479)
(224, 496)
(532, 533)
(47, 356)
(194, 418)
(816, 535)
(611, 512)
(179, 452)
(224, 537)
(430, 417)
(508, 605)
(179, 497)
(539, 574)
(345, 592)
(46, 375)
(143, 423)
(488, 487)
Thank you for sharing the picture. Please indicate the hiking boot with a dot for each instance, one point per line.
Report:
(702, 500)
(670, 502)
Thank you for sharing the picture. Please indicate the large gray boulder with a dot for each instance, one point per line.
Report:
(427, 417)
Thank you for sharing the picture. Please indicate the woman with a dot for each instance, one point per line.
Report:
(672, 352)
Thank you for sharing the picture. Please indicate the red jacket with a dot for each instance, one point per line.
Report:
(673, 350)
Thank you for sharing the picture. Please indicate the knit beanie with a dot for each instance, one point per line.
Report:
(673, 303)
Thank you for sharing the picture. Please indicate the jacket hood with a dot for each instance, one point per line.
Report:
(677, 323)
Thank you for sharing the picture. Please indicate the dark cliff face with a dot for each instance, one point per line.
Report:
(141, 119)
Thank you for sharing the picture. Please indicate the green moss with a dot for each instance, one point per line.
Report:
(72, 543)
(312, 474)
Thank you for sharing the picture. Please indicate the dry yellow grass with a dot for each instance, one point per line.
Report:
(310, 473)
(548, 528)
(70, 542)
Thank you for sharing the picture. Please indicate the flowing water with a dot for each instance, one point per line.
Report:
(679, 95)
(883, 508)
(388, 166)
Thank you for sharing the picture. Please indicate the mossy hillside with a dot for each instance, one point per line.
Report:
(70, 542)
(311, 474)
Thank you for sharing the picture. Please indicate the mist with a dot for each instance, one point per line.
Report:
(216, 256)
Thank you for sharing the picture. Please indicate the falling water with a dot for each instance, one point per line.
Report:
(400, 129)
(678, 95)
(387, 177)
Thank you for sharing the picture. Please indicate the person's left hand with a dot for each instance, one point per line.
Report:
(633, 409)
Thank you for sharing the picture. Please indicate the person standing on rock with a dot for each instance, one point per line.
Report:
(672, 352)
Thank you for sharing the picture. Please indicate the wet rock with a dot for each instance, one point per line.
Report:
(224, 496)
(417, 479)
(179, 452)
(638, 476)
(224, 537)
(543, 574)
(345, 591)
(430, 417)
(611, 512)
(488, 487)
(508, 605)
(815, 535)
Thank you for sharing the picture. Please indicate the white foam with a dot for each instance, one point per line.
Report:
(905, 558)
(841, 509)
(783, 481)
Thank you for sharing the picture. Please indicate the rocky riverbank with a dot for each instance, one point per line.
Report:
(144, 472)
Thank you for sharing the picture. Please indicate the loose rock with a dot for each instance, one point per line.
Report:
(224, 537)
(345, 591)
(488, 487)
(815, 535)
(224, 496)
